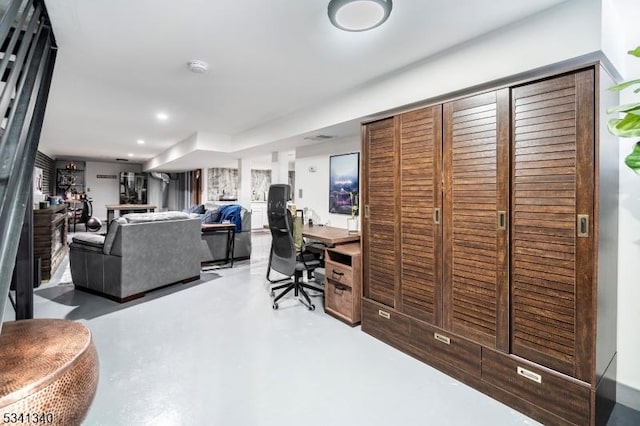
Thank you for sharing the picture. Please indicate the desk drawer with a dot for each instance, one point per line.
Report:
(339, 298)
(339, 272)
(557, 394)
(444, 350)
(385, 324)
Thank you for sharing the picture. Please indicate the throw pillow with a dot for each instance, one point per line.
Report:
(211, 216)
(198, 209)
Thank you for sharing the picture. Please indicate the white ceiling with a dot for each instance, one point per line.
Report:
(121, 61)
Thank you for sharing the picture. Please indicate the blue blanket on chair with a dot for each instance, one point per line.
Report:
(231, 213)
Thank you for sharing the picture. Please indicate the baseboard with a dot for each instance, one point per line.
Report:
(628, 396)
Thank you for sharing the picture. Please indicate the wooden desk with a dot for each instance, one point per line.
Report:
(343, 270)
(230, 229)
(111, 208)
(329, 235)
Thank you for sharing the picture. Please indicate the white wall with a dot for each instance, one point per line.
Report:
(315, 185)
(629, 249)
(105, 191)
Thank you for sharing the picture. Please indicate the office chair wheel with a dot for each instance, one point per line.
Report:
(275, 306)
(312, 307)
(272, 294)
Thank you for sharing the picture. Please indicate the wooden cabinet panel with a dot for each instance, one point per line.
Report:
(343, 290)
(420, 195)
(447, 352)
(502, 294)
(559, 395)
(552, 159)
(385, 324)
(475, 202)
(338, 272)
(339, 298)
(50, 227)
(380, 221)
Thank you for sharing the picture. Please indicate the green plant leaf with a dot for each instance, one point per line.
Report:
(612, 125)
(621, 86)
(632, 108)
(635, 52)
(629, 122)
(633, 160)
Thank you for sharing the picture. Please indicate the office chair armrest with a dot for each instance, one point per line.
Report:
(317, 245)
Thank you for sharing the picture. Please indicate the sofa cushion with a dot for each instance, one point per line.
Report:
(155, 217)
(111, 235)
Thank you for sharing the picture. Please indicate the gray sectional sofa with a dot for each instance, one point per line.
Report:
(141, 252)
(214, 245)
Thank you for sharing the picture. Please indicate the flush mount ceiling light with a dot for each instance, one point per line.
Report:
(162, 116)
(140, 142)
(197, 66)
(358, 15)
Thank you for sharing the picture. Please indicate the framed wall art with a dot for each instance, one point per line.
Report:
(344, 181)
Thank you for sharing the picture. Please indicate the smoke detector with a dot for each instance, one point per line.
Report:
(197, 66)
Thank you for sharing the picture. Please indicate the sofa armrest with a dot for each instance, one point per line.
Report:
(90, 240)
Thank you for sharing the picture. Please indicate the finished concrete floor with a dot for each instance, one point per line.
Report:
(213, 352)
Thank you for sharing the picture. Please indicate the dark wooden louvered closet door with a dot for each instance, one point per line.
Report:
(380, 221)
(476, 174)
(552, 183)
(420, 195)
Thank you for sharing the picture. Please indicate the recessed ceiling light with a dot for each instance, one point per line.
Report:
(140, 142)
(358, 15)
(162, 116)
(130, 154)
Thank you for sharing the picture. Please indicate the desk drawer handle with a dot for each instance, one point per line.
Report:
(529, 375)
(441, 338)
(334, 272)
(339, 288)
(384, 314)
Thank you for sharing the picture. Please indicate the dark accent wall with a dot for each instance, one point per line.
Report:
(46, 164)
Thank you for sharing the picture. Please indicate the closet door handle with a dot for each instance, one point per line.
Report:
(583, 225)
(436, 216)
(366, 210)
(502, 220)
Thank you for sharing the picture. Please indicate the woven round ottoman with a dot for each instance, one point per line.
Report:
(48, 372)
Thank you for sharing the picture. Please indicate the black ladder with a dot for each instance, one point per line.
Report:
(27, 57)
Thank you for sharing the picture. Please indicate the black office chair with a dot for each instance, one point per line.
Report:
(284, 257)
